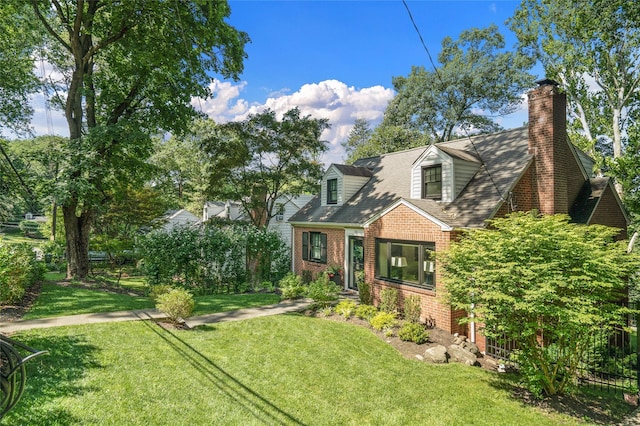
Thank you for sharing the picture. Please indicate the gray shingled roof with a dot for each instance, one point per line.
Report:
(505, 157)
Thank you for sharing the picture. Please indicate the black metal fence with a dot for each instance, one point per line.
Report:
(611, 361)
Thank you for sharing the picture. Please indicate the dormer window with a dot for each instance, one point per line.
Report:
(432, 182)
(332, 191)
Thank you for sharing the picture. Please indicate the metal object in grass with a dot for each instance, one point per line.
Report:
(13, 374)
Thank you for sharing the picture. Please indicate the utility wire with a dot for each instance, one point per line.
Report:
(435, 68)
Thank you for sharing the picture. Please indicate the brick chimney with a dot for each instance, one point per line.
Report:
(548, 144)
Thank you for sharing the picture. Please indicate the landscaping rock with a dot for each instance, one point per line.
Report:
(471, 347)
(461, 355)
(436, 355)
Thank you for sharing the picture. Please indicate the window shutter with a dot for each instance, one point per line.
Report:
(305, 246)
(323, 248)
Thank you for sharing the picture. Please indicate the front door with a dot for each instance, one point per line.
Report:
(356, 260)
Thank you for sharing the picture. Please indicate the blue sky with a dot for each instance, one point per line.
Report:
(335, 59)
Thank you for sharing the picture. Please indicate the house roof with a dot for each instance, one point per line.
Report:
(588, 199)
(505, 156)
(347, 170)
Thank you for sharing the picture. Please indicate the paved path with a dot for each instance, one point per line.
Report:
(146, 314)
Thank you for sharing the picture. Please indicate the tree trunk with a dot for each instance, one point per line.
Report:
(77, 233)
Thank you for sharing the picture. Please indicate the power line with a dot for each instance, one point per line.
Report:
(435, 69)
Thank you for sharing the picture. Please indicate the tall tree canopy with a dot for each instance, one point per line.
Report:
(129, 70)
(257, 160)
(593, 50)
(475, 73)
(181, 167)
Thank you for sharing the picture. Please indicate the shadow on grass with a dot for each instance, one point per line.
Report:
(254, 403)
(52, 376)
(599, 407)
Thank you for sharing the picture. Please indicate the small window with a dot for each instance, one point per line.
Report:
(314, 247)
(432, 182)
(280, 212)
(332, 191)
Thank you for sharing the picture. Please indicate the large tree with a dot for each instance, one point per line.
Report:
(544, 283)
(257, 160)
(474, 74)
(593, 50)
(181, 173)
(130, 69)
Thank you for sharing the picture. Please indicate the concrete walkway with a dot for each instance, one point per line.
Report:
(147, 314)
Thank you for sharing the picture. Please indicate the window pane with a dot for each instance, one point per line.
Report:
(429, 267)
(404, 262)
(316, 247)
(332, 191)
(382, 259)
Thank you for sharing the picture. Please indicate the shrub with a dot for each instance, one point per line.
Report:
(178, 304)
(323, 291)
(19, 270)
(366, 312)
(157, 290)
(413, 332)
(412, 308)
(346, 308)
(291, 286)
(389, 300)
(364, 290)
(307, 277)
(383, 320)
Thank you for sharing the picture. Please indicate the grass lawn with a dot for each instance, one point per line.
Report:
(16, 236)
(56, 300)
(287, 369)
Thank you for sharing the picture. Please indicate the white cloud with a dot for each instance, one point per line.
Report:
(330, 99)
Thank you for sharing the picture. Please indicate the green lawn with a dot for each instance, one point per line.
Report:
(56, 300)
(287, 369)
(16, 236)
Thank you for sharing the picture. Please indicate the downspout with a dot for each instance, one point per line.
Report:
(473, 324)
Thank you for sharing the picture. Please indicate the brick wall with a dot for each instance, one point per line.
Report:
(402, 223)
(335, 250)
(608, 213)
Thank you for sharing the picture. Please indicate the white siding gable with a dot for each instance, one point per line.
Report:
(456, 173)
(347, 185)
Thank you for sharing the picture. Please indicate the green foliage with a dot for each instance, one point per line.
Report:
(307, 277)
(412, 308)
(18, 271)
(413, 332)
(29, 228)
(364, 293)
(366, 312)
(322, 290)
(389, 300)
(158, 290)
(261, 158)
(178, 304)
(213, 259)
(470, 81)
(291, 286)
(530, 276)
(142, 64)
(346, 308)
(383, 321)
(591, 50)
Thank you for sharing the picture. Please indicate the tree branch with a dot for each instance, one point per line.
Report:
(48, 27)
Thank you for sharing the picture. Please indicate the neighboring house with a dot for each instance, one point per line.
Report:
(284, 207)
(222, 209)
(180, 217)
(390, 214)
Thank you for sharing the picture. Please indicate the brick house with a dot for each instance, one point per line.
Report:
(389, 214)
